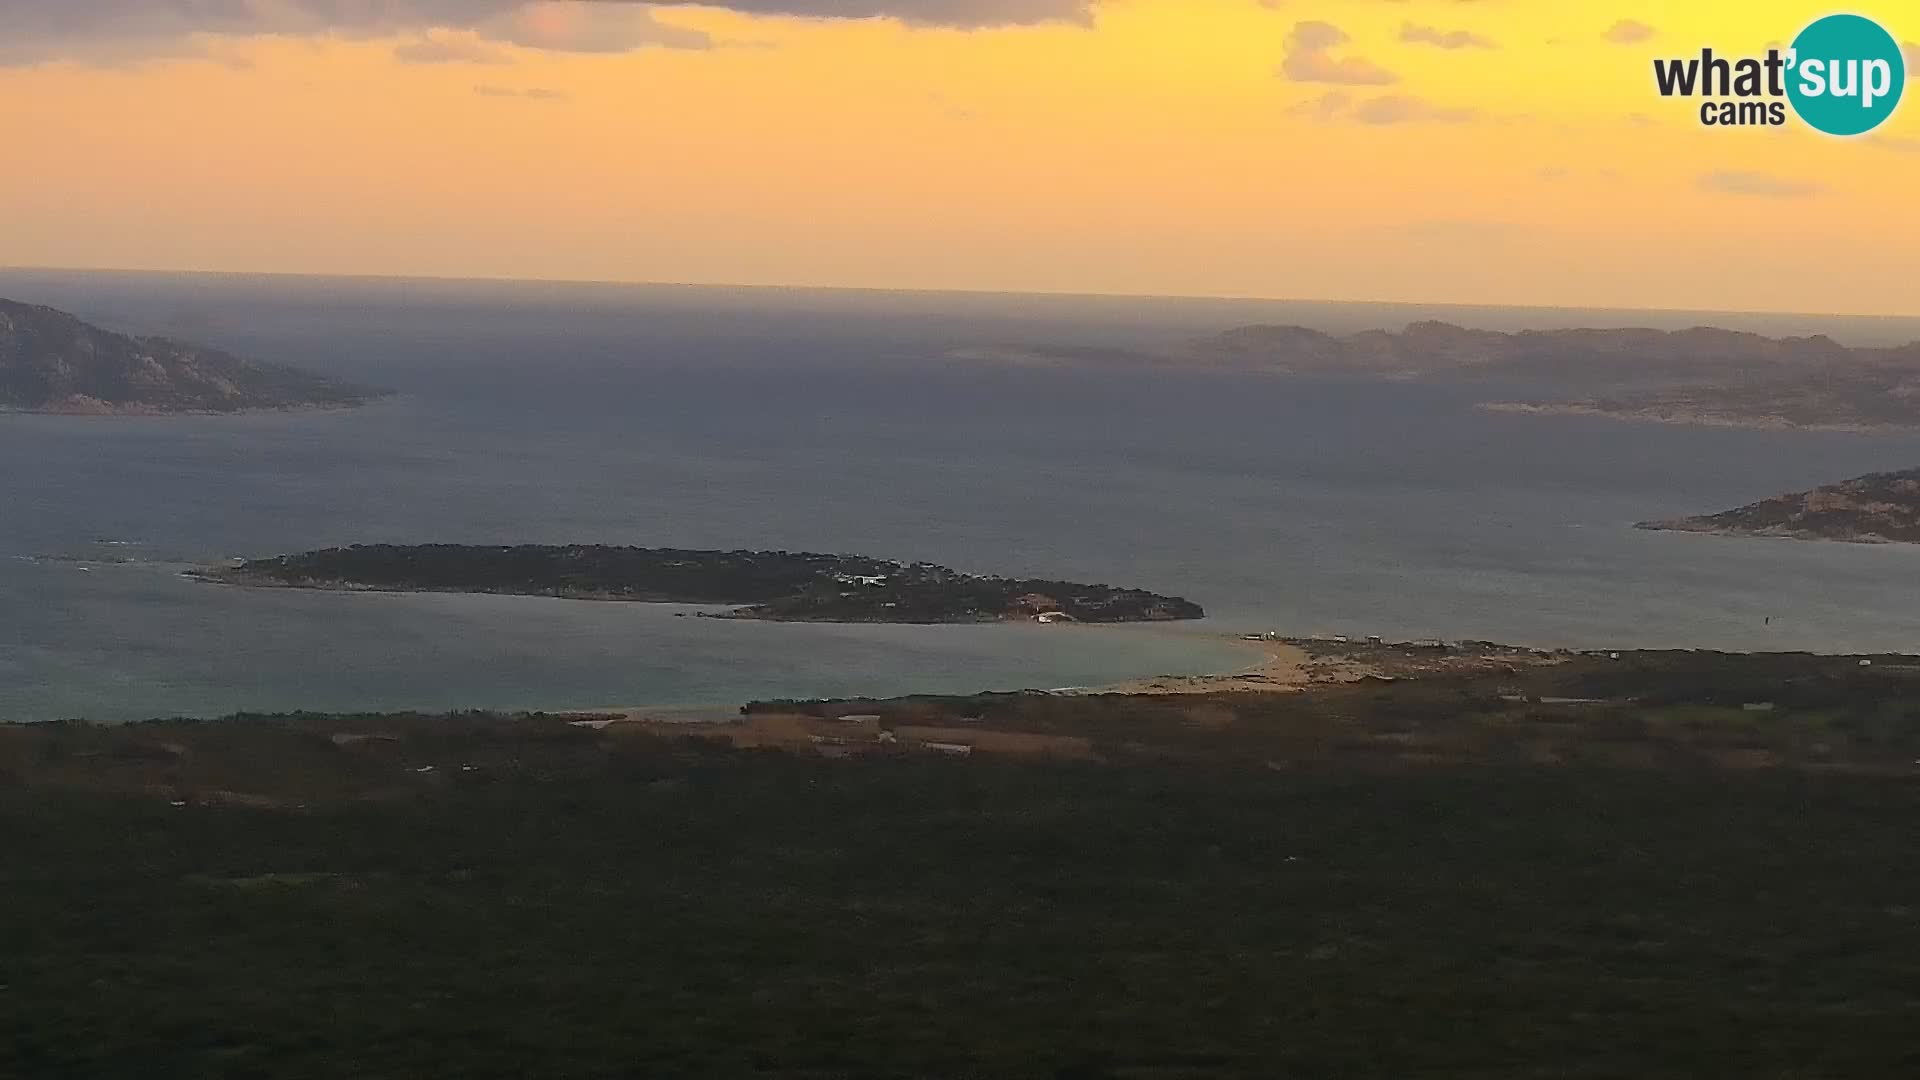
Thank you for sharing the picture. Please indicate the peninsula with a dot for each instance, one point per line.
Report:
(1871, 397)
(53, 362)
(781, 586)
(1878, 508)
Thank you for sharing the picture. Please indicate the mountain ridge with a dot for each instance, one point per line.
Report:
(1701, 375)
(1433, 346)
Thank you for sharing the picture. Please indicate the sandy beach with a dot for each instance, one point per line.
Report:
(1282, 668)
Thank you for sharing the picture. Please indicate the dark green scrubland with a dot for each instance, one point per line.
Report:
(1353, 881)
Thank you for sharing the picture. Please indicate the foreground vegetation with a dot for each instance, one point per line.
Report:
(780, 585)
(1482, 705)
(1218, 890)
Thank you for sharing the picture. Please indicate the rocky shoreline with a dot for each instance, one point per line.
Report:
(1879, 508)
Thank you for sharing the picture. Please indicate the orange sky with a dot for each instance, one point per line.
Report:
(1171, 146)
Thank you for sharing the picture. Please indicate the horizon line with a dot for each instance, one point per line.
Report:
(902, 291)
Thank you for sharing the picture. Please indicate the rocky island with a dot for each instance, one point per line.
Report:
(773, 585)
(53, 362)
(1878, 508)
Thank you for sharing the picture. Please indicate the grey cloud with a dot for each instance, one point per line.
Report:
(1314, 35)
(965, 14)
(1328, 106)
(1386, 109)
(1308, 60)
(448, 49)
(606, 27)
(1415, 34)
(1407, 109)
(33, 31)
(1628, 32)
(1764, 185)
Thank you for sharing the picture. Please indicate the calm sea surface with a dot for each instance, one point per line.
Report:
(831, 422)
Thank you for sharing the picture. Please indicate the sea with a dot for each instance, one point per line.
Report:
(847, 421)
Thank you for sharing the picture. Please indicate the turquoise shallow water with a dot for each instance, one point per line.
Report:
(831, 422)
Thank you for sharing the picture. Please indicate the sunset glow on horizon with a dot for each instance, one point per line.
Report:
(1496, 152)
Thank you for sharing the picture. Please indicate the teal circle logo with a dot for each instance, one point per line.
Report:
(1845, 75)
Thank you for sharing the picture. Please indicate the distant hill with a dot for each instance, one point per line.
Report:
(51, 361)
(1877, 508)
(1702, 375)
(1433, 348)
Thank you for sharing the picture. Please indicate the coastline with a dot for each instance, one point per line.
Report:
(1283, 668)
(727, 610)
(1682, 526)
(1677, 419)
(106, 411)
(1286, 666)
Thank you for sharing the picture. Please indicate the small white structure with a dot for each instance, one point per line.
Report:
(867, 719)
(952, 749)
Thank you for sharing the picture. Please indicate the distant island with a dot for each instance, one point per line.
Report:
(53, 362)
(1842, 398)
(772, 585)
(1703, 375)
(1878, 508)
